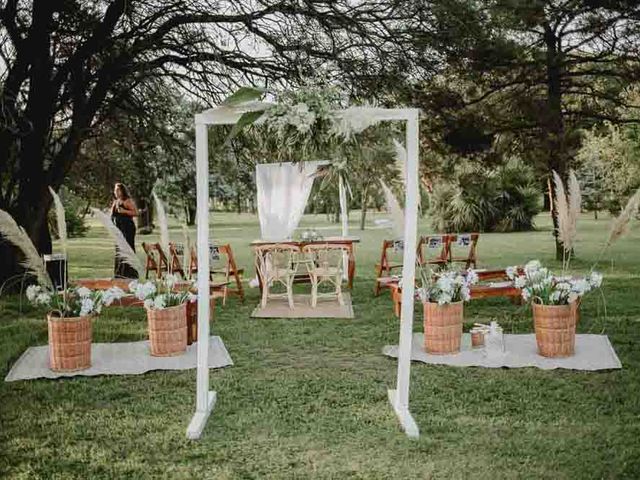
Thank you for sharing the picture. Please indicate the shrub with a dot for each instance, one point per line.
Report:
(504, 199)
(75, 210)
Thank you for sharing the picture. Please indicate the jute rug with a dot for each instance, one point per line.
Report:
(592, 352)
(326, 308)
(131, 358)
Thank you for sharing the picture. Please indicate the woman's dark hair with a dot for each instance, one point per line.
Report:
(123, 189)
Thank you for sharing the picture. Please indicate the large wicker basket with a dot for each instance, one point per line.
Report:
(69, 343)
(443, 327)
(167, 330)
(555, 327)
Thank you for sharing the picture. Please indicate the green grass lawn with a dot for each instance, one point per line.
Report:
(308, 398)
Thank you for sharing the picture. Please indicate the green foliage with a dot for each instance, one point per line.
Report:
(609, 166)
(503, 199)
(75, 210)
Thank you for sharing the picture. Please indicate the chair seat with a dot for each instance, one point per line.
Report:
(325, 272)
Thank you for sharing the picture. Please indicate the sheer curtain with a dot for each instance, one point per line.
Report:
(283, 191)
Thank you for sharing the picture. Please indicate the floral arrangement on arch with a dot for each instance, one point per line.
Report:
(74, 301)
(446, 286)
(161, 294)
(311, 123)
(538, 284)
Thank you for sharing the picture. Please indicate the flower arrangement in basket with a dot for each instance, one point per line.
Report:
(166, 314)
(555, 301)
(69, 322)
(443, 295)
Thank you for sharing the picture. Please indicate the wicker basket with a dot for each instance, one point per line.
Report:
(443, 327)
(167, 330)
(69, 343)
(555, 327)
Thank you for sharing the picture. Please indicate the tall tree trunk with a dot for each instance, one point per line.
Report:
(554, 124)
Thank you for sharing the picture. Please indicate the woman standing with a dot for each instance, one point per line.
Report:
(123, 209)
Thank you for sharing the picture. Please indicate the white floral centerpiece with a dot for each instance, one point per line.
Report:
(443, 295)
(166, 306)
(69, 322)
(74, 301)
(556, 302)
(447, 287)
(540, 285)
(161, 294)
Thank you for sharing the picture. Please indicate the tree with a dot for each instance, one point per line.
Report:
(534, 71)
(69, 65)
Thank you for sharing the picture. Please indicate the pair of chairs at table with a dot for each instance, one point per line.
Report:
(444, 246)
(223, 264)
(279, 264)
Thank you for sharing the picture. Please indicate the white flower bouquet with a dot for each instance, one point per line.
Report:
(161, 294)
(73, 302)
(446, 287)
(538, 284)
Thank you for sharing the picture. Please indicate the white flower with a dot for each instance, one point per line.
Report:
(444, 299)
(520, 282)
(422, 294)
(33, 291)
(526, 294)
(148, 303)
(112, 294)
(573, 297)
(42, 298)
(465, 293)
(595, 279)
(86, 306)
(472, 277)
(580, 286)
(159, 302)
(511, 272)
(170, 280)
(563, 286)
(133, 286)
(555, 297)
(532, 267)
(83, 292)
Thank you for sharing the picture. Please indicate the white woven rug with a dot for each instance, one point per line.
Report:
(131, 358)
(593, 352)
(326, 308)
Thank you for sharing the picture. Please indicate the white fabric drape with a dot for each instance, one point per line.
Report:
(283, 191)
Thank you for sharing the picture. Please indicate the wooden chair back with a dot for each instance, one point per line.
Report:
(163, 262)
(275, 260)
(391, 258)
(463, 249)
(151, 264)
(175, 264)
(433, 250)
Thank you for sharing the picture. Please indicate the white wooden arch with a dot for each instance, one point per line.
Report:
(225, 115)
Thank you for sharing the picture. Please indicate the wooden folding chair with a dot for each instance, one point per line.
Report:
(226, 267)
(231, 270)
(175, 264)
(433, 250)
(151, 264)
(388, 263)
(464, 242)
(163, 262)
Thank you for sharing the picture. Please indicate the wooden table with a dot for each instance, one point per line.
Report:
(347, 242)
